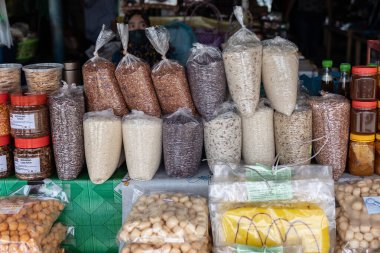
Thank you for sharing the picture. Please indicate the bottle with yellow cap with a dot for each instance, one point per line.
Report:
(361, 154)
(377, 154)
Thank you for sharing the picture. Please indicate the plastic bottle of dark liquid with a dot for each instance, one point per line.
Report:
(327, 83)
(344, 80)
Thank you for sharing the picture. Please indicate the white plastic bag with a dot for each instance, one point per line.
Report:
(5, 31)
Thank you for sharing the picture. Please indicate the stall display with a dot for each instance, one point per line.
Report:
(182, 136)
(142, 137)
(363, 117)
(280, 74)
(169, 77)
(103, 143)
(10, 77)
(258, 135)
(101, 88)
(363, 85)
(6, 160)
(5, 127)
(43, 77)
(134, 78)
(66, 108)
(242, 61)
(361, 156)
(207, 79)
(223, 136)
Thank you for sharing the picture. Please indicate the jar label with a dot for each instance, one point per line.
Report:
(3, 163)
(22, 121)
(27, 165)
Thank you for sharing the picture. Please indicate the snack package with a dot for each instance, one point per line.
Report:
(134, 78)
(169, 77)
(166, 218)
(100, 85)
(51, 243)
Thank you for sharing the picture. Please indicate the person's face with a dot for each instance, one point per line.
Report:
(136, 23)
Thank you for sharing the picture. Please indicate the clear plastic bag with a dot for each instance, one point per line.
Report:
(207, 79)
(51, 243)
(5, 30)
(134, 78)
(280, 74)
(66, 107)
(247, 249)
(103, 141)
(242, 61)
(142, 137)
(169, 77)
(160, 218)
(193, 247)
(100, 85)
(331, 121)
(258, 135)
(182, 136)
(223, 136)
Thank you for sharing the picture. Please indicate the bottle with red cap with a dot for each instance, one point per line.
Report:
(4, 114)
(363, 85)
(33, 158)
(6, 162)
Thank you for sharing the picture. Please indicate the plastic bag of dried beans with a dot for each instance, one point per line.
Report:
(66, 108)
(242, 62)
(134, 78)
(100, 85)
(207, 79)
(182, 136)
(169, 77)
(331, 121)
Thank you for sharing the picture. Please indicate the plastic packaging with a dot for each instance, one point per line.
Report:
(182, 141)
(242, 61)
(102, 142)
(56, 236)
(5, 127)
(223, 136)
(5, 30)
(142, 137)
(168, 76)
(331, 121)
(207, 79)
(159, 218)
(6, 161)
(10, 77)
(66, 108)
(258, 136)
(100, 85)
(134, 78)
(45, 77)
(237, 248)
(194, 247)
(280, 74)
(294, 136)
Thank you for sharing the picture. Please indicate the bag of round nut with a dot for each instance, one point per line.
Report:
(27, 218)
(193, 247)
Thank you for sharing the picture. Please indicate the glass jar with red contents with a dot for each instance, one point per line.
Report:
(363, 117)
(363, 85)
(6, 162)
(5, 127)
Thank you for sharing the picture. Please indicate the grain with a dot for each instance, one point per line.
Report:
(331, 120)
(10, 77)
(207, 79)
(5, 126)
(43, 76)
(293, 135)
(182, 143)
(6, 159)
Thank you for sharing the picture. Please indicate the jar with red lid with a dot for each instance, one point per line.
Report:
(6, 162)
(5, 127)
(363, 117)
(363, 85)
(33, 158)
(29, 116)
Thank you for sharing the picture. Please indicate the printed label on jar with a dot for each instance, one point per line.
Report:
(22, 121)
(3, 163)
(372, 204)
(27, 165)
(11, 207)
(251, 249)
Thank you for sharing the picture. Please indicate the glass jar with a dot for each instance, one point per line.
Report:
(363, 117)
(6, 163)
(377, 154)
(363, 83)
(33, 158)
(5, 127)
(29, 116)
(361, 154)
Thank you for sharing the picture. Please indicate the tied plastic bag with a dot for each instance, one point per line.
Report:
(168, 76)
(182, 136)
(207, 79)
(242, 62)
(258, 135)
(103, 141)
(27, 218)
(134, 78)
(223, 136)
(142, 135)
(66, 107)
(100, 85)
(280, 74)
(161, 218)
(5, 31)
